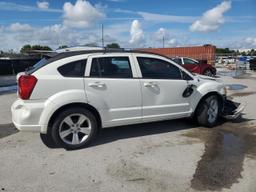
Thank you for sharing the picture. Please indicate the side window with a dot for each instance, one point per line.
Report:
(73, 69)
(177, 60)
(111, 67)
(189, 61)
(152, 68)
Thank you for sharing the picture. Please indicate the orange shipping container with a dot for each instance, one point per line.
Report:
(206, 52)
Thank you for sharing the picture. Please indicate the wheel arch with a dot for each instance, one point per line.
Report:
(72, 105)
(207, 69)
(220, 98)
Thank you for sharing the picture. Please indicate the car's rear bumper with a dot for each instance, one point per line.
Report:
(26, 115)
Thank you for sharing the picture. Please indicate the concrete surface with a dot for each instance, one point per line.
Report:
(164, 156)
(5, 107)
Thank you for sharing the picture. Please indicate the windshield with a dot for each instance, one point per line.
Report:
(35, 67)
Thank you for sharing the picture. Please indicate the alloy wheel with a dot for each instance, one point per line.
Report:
(75, 129)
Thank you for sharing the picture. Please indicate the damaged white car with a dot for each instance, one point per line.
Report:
(69, 96)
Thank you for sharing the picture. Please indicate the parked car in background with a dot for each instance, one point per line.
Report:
(70, 96)
(253, 64)
(194, 66)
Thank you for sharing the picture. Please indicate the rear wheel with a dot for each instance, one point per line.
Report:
(208, 111)
(74, 128)
(208, 72)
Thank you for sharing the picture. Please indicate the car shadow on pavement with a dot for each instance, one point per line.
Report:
(123, 132)
(7, 129)
(112, 134)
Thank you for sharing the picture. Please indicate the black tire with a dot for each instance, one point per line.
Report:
(58, 122)
(208, 72)
(47, 140)
(202, 112)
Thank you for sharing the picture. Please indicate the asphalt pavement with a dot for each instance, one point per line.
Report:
(164, 156)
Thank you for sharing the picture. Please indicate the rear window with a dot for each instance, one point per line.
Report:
(37, 66)
(73, 69)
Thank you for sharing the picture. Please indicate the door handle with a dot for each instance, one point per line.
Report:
(150, 84)
(97, 84)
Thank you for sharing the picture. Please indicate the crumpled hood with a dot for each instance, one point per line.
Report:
(207, 78)
(204, 77)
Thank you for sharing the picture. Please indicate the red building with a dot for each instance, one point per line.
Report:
(206, 52)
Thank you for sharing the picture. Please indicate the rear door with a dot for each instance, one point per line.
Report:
(112, 87)
(162, 89)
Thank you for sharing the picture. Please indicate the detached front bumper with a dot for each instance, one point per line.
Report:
(232, 110)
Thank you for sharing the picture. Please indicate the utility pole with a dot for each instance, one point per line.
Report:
(102, 35)
(163, 41)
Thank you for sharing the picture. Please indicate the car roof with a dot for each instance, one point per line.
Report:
(54, 56)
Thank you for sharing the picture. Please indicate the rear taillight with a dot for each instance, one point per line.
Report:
(26, 85)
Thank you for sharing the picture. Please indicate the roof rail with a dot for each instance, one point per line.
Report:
(73, 52)
(78, 48)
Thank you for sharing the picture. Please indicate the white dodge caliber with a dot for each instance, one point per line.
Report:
(69, 96)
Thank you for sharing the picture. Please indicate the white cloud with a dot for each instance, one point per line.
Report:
(211, 19)
(16, 35)
(117, 1)
(42, 4)
(9, 6)
(251, 41)
(169, 38)
(81, 14)
(166, 18)
(160, 34)
(171, 43)
(119, 10)
(18, 27)
(137, 34)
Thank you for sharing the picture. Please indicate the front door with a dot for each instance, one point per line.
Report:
(162, 89)
(110, 87)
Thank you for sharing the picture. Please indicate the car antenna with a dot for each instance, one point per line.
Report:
(105, 50)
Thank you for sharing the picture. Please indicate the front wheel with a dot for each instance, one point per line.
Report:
(74, 128)
(208, 72)
(208, 111)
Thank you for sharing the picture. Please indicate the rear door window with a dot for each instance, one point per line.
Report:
(111, 67)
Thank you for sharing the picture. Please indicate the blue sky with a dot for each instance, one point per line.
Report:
(131, 23)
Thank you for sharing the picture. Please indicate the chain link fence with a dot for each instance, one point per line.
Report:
(231, 64)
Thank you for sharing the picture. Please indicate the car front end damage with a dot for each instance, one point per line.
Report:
(231, 110)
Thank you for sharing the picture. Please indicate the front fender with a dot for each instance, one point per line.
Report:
(206, 88)
(58, 100)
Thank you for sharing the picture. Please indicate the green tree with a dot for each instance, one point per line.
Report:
(113, 45)
(63, 47)
(25, 48)
(91, 44)
(224, 51)
(252, 52)
(40, 47)
(243, 53)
